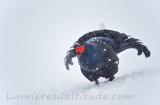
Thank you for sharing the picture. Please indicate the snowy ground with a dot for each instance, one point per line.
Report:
(35, 36)
(135, 88)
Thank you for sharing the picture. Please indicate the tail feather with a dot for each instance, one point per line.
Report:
(136, 44)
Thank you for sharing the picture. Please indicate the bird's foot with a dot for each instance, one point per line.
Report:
(111, 78)
(96, 82)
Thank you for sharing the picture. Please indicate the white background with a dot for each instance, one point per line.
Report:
(36, 34)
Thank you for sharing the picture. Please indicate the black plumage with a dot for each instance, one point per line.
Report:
(105, 45)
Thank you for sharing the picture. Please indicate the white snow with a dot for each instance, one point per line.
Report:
(134, 88)
(36, 34)
(140, 87)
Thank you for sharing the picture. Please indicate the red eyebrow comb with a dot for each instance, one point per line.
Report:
(80, 49)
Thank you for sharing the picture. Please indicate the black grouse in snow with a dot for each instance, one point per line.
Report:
(97, 53)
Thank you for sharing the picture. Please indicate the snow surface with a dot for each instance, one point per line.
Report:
(130, 89)
(36, 34)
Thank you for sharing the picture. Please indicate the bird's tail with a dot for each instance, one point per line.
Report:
(136, 44)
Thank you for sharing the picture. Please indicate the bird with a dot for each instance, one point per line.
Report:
(97, 51)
